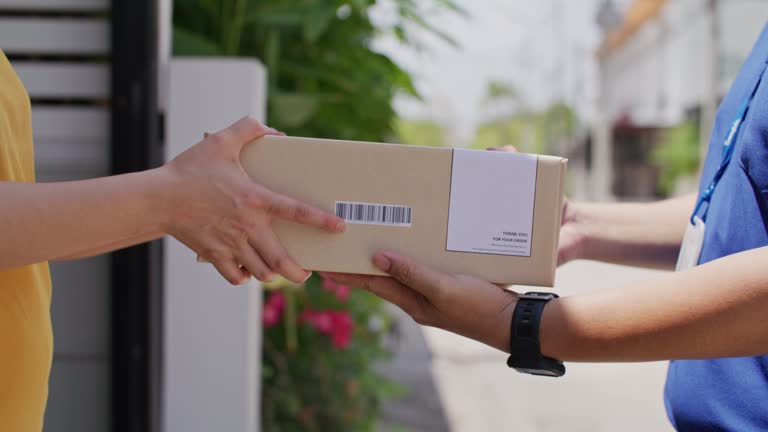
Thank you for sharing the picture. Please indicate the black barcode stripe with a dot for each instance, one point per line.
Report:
(383, 214)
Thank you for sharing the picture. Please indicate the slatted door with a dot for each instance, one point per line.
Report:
(60, 49)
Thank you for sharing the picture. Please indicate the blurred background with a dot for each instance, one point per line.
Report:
(148, 340)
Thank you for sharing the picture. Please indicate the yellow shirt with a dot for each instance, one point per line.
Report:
(26, 341)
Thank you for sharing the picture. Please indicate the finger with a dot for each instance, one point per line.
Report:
(276, 257)
(248, 129)
(421, 278)
(232, 272)
(254, 264)
(387, 289)
(296, 211)
(506, 148)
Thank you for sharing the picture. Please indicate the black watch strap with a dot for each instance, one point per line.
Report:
(525, 349)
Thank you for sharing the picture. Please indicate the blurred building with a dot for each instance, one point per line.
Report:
(662, 62)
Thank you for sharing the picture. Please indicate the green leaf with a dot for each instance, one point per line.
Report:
(187, 43)
(316, 22)
(346, 83)
(406, 5)
(453, 6)
(677, 155)
(500, 90)
(274, 18)
(293, 109)
(420, 21)
(275, 13)
(405, 83)
(400, 34)
(272, 57)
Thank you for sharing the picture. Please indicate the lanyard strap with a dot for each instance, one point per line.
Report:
(728, 146)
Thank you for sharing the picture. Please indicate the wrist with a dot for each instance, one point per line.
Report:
(527, 353)
(576, 228)
(161, 190)
(503, 330)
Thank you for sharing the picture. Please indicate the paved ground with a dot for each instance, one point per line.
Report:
(478, 393)
(421, 409)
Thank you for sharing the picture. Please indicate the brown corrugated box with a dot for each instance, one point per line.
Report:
(325, 172)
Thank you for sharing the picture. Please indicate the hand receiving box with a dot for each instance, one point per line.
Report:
(495, 215)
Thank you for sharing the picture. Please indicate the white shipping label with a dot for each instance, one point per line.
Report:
(491, 202)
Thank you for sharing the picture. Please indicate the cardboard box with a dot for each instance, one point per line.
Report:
(490, 214)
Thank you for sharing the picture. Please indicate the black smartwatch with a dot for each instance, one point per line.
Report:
(524, 347)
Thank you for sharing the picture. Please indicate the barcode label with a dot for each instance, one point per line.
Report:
(374, 214)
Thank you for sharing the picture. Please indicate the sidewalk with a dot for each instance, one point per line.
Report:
(421, 410)
(479, 393)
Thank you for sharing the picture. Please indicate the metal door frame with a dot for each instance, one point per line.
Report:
(136, 145)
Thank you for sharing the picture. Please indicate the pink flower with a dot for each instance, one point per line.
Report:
(336, 324)
(342, 329)
(341, 340)
(329, 285)
(270, 317)
(341, 319)
(340, 291)
(277, 300)
(321, 321)
(273, 309)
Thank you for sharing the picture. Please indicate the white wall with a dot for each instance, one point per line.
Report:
(212, 358)
(633, 76)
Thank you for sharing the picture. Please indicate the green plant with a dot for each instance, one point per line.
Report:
(498, 90)
(321, 341)
(325, 80)
(676, 155)
(505, 131)
(529, 131)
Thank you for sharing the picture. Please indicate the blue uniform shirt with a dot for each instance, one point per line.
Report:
(731, 394)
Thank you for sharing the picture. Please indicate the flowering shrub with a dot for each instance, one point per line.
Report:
(321, 342)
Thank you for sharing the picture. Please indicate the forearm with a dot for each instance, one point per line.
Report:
(52, 221)
(646, 235)
(714, 310)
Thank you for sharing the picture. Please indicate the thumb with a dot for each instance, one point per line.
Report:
(248, 129)
(506, 148)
